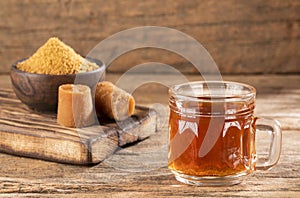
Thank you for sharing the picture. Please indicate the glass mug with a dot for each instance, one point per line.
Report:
(213, 133)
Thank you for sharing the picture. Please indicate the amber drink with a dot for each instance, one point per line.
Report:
(212, 133)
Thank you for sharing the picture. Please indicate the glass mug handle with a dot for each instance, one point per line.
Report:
(272, 128)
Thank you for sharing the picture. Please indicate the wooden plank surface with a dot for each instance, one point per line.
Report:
(141, 170)
(243, 36)
(27, 133)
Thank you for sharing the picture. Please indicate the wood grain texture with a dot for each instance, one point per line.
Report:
(278, 96)
(27, 133)
(40, 92)
(242, 36)
(60, 180)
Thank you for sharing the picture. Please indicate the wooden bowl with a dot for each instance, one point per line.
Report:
(40, 91)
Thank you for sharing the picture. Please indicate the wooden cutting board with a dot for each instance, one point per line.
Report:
(27, 133)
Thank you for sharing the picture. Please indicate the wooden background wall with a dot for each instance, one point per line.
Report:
(243, 36)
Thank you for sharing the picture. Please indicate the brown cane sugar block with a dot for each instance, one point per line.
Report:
(113, 102)
(75, 106)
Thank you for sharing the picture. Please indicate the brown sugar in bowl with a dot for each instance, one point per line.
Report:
(40, 91)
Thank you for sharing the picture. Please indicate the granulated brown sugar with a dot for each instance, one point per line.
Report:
(55, 57)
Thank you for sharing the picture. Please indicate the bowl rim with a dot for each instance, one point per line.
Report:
(101, 68)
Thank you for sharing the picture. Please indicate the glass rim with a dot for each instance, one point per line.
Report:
(174, 91)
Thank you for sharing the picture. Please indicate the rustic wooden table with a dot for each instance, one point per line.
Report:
(141, 170)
